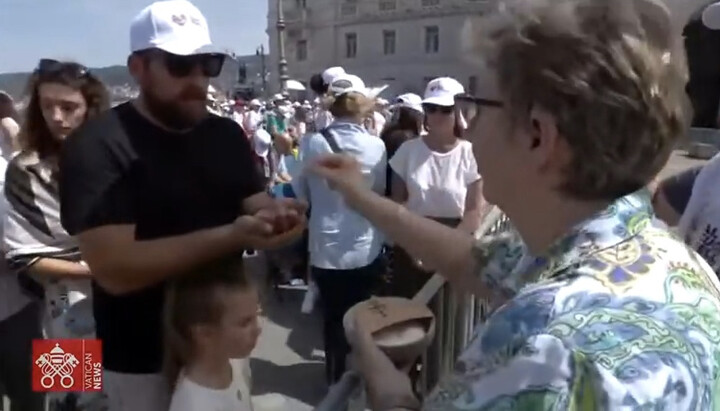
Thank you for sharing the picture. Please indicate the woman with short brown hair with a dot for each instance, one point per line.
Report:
(595, 305)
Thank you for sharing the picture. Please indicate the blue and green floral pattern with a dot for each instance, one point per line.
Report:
(619, 315)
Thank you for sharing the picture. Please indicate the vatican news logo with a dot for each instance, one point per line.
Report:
(67, 365)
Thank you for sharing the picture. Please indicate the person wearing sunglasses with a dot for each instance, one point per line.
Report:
(435, 176)
(155, 187)
(43, 256)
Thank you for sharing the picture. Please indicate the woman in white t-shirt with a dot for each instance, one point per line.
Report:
(435, 176)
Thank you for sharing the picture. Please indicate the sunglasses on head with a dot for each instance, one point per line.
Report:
(50, 66)
(434, 108)
(210, 64)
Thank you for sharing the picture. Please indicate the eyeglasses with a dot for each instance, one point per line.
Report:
(434, 108)
(210, 64)
(49, 67)
(471, 106)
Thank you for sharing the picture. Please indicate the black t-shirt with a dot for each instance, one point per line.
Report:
(121, 169)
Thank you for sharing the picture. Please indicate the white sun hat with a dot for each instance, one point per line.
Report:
(175, 26)
(331, 73)
(442, 91)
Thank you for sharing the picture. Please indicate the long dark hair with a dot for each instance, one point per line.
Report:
(405, 125)
(7, 106)
(35, 135)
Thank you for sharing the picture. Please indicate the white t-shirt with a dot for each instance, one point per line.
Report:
(190, 396)
(436, 182)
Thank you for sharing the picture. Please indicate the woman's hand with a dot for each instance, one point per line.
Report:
(387, 387)
(341, 171)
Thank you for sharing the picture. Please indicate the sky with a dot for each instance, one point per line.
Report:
(96, 32)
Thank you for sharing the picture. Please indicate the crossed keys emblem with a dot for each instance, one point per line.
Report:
(57, 363)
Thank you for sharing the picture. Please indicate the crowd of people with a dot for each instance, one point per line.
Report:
(130, 224)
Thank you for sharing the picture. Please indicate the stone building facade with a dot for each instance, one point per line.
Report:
(401, 43)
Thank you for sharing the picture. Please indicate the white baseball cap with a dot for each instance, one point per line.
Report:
(331, 73)
(711, 16)
(262, 142)
(442, 91)
(255, 103)
(409, 100)
(350, 83)
(175, 26)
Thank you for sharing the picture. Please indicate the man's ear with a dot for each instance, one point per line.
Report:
(136, 66)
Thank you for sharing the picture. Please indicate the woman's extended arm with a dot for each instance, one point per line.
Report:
(475, 208)
(444, 249)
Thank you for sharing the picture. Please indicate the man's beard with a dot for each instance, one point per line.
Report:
(183, 113)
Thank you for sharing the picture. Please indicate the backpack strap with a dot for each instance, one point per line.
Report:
(331, 141)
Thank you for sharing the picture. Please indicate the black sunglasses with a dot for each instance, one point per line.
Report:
(471, 106)
(49, 67)
(478, 101)
(434, 108)
(210, 64)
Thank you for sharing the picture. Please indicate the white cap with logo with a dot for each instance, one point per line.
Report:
(442, 91)
(409, 100)
(175, 26)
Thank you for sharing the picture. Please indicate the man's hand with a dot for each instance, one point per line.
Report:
(279, 216)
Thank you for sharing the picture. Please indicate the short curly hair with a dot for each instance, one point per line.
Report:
(611, 73)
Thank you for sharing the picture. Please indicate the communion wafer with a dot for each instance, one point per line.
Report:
(400, 335)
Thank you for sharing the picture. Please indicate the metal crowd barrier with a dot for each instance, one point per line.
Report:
(457, 317)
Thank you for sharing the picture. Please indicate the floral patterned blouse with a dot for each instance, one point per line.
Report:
(619, 315)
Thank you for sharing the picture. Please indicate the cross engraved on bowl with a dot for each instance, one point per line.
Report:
(378, 307)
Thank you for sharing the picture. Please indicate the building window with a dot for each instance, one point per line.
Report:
(427, 3)
(432, 39)
(301, 50)
(388, 5)
(472, 85)
(388, 42)
(350, 45)
(348, 8)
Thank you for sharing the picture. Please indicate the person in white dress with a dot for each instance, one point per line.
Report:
(211, 327)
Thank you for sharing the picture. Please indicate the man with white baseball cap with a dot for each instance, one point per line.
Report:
(157, 186)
